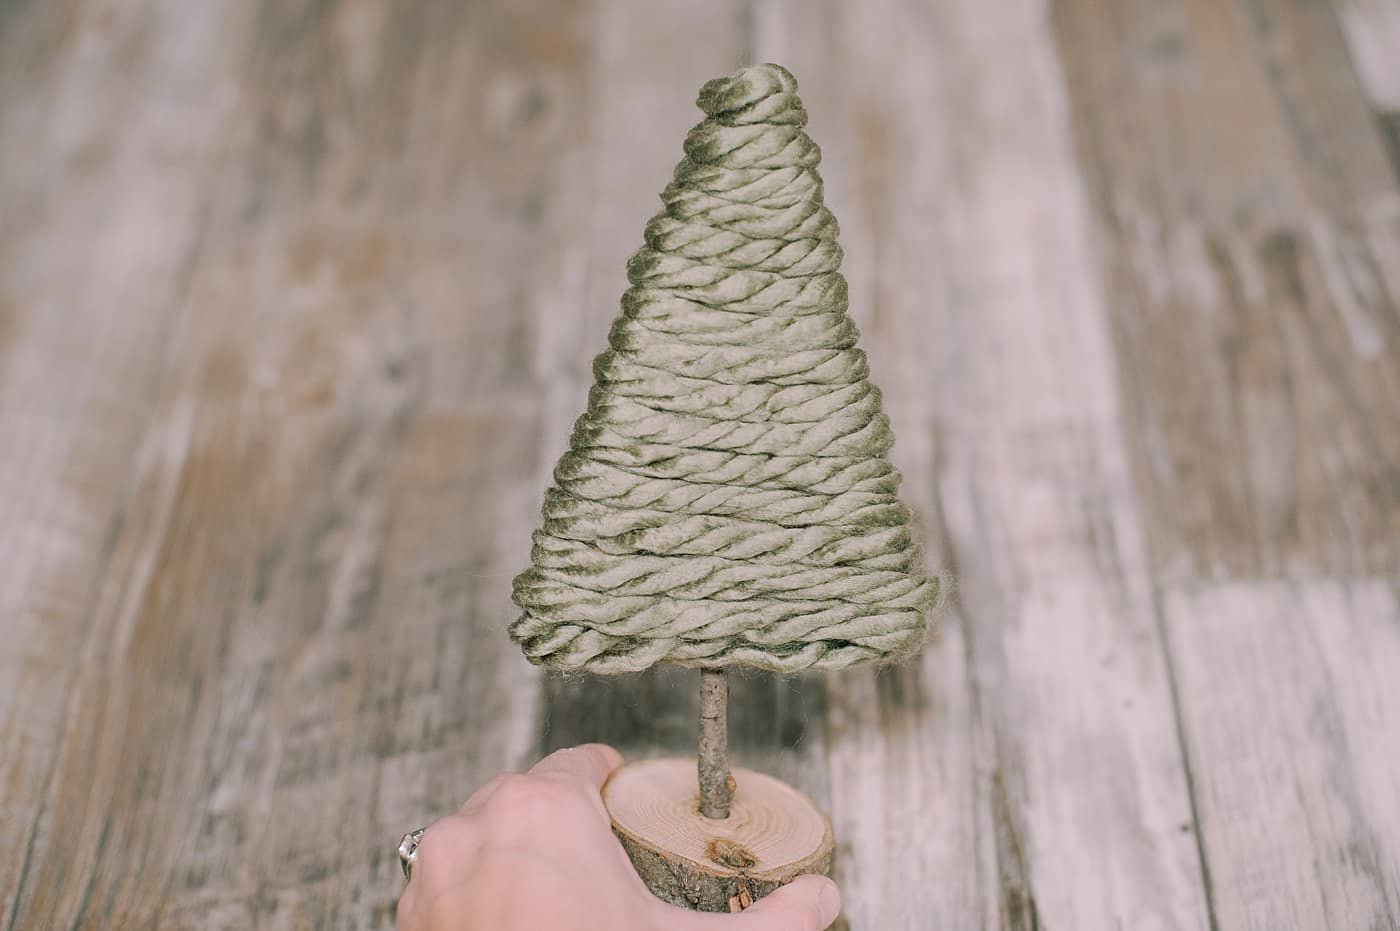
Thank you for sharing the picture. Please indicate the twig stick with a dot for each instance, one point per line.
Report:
(716, 785)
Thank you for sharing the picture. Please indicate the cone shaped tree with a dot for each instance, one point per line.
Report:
(727, 497)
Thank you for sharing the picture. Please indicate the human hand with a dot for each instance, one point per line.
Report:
(535, 851)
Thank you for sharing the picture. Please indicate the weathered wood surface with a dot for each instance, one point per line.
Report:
(297, 304)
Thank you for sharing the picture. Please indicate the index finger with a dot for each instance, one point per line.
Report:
(589, 764)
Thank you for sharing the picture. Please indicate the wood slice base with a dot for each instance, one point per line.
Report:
(773, 834)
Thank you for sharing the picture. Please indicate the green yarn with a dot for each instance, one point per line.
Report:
(727, 496)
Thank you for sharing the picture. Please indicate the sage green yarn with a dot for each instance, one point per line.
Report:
(727, 498)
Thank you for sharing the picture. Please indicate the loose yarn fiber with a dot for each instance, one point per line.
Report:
(727, 496)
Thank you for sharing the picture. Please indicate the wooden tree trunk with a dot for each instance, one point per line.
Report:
(773, 834)
(716, 784)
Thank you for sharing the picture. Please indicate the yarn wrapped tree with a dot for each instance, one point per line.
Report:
(727, 498)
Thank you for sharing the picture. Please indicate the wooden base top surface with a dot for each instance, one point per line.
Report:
(773, 831)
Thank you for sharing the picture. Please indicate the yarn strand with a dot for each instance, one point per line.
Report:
(727, 497)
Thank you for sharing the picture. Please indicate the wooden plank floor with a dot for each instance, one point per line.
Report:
(297, 304)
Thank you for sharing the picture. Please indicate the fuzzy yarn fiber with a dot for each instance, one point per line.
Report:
(727, 497)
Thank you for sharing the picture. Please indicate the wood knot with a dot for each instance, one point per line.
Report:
(727, 853)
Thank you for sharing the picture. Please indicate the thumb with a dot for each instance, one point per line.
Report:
(808, 903)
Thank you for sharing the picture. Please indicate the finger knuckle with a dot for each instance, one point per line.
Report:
(441, 849)
(485, 792)
(525, 795)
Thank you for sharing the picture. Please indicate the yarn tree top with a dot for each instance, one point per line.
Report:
(727, 496)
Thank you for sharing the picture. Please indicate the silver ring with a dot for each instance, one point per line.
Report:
(408, 851)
